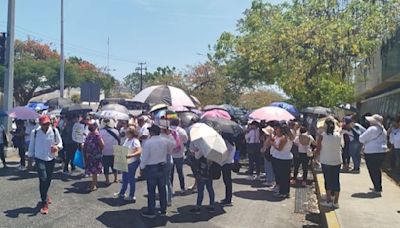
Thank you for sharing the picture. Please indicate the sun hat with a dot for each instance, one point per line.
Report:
(375, 119)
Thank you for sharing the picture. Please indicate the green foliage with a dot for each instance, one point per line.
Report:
(309, 47)
(36, 71)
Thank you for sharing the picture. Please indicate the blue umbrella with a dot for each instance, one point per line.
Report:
(35, 105)
(288, 107)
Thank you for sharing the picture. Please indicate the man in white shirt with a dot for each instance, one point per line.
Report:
(153, 160)
(254, 150)
(44, 145)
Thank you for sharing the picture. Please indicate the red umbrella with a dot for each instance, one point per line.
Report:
(271, 114)
(217, 113)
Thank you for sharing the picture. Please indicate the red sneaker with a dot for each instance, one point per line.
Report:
(45, 209)
(49, 201)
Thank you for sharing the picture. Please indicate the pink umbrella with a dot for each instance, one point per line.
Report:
(271, 114)
(23, 113)
(217, 113)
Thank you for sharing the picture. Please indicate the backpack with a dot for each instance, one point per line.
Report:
(178, 143)
(215, 170)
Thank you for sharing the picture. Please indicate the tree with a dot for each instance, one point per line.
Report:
(37, 69)
(309, 47)
(260, 98)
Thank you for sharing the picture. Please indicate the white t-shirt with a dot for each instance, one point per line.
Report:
(109, 141)
(283, 154)
(132, 144)
(304, 148)
(331, 153)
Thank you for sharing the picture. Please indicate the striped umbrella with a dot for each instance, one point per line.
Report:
(164, 94)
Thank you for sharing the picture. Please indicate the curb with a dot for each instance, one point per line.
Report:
(329, 218)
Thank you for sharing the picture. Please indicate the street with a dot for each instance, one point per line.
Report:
(73, 206)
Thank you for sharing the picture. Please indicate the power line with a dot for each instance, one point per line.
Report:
(85, 50)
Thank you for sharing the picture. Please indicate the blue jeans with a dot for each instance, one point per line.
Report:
(168, 185)
(129, 178)
(355, 154)
(155, 177)
(269, 172)
(178, 163)
(45, 173)
(201, 183)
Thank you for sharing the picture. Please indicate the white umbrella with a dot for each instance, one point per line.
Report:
(111, 114)
(208, 142)
(164, 94)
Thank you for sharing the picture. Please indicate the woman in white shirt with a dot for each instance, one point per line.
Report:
(375, 148)
(132, 142)
(303, 142)
(330, 152)
(282, 158)
(394, 139)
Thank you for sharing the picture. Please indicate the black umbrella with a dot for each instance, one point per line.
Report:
(58, 102)
(223, 126)
(187, 118)
(76, 109)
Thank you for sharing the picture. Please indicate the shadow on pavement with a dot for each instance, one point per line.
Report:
(367, 195)
(114, 202)
(81, 187)
(132, 217)
(30, 211)
(253, 184)
(259, 194)
(184, 215)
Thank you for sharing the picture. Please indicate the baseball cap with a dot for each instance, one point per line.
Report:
(44, 119)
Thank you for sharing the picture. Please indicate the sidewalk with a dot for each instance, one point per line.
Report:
(358, 207)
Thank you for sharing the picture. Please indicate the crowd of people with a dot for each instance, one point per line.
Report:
(158, 146)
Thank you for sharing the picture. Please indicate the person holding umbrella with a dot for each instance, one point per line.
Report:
(204, 179)
(282, 158)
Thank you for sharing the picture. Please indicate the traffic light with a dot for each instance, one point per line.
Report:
(3, 48)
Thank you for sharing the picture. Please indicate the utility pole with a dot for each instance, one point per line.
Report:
(62, 52)
(140, 69)
(9, 72)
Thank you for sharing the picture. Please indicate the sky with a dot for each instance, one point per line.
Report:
(158, 32)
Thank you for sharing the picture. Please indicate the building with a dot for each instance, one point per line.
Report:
(377, 87)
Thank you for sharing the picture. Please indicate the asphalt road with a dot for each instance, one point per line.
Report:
(253, 205)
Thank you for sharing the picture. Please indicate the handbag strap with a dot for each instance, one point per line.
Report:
(113, 135)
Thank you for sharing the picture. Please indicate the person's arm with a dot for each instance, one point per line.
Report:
(31, 149)
(312, 141)
(59, 142)
(101, 143)
(144, 156)
(282, 143)
(367, 135)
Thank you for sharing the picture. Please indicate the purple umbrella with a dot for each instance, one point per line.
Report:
(23, 113)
